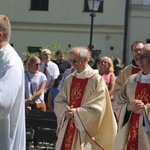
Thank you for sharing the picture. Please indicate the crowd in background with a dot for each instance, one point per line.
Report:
(79, 95)
(115, 76)
(55, 72)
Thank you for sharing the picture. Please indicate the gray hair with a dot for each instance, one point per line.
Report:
(83, 51)
(45, 50)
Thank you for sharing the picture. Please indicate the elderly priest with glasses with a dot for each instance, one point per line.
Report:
(83, 109)
(132, 108)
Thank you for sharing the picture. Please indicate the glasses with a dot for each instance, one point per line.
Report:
(143, 56)
(46, 54)
(73, 61)
(38, 64)
(104, 62)
(137, 50)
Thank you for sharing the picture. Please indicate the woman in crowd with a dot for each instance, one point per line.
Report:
(35, 82)
(106, 70)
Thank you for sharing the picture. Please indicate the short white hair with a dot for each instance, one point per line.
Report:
(83, 51)
(45, 50)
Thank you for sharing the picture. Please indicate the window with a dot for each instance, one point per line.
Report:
(88, 9)
(39, 5)
(147, 40)
(34, 49)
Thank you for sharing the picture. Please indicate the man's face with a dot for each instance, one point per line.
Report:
(46, 56)
(76, 61)
(136, 51)
(144, 60)
(60, 57)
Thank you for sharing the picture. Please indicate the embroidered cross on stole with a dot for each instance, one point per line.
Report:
(142, 93)
(76, 95)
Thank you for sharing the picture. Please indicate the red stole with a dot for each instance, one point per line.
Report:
(135, 70)
(142, 92)
(76, 94)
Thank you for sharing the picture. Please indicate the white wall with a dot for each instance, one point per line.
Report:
(66, 24)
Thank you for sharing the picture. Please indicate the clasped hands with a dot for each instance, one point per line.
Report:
(69, 113)
(136, 106)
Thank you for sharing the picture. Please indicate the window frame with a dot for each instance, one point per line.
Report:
(38, 5)
(34, 49)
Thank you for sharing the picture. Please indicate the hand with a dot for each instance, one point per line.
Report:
(139, 111)
(136, 106)
(28, 108)
(28, 100)
(69, 112)
(45, 90)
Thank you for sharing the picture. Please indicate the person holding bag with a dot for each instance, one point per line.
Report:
(35, 82)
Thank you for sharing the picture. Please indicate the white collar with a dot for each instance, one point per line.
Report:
(83, 74)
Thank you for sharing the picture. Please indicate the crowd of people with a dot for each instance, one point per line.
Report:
(100, 107)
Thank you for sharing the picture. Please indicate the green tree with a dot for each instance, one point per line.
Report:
(53, 46)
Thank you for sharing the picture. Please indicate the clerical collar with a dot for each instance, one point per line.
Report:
(134, 63)
(83, 74)
(146, 76)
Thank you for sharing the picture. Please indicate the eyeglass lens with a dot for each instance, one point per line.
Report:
(143, 56)
(74, 60)
(104, 62)
(38, 64)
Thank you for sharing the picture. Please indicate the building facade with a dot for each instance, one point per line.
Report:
(66, 23)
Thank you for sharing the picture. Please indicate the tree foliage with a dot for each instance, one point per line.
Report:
(53, 46)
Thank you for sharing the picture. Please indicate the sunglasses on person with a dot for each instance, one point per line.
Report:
(73, 61)
(143, 56)
(38, 64)
(103, 62)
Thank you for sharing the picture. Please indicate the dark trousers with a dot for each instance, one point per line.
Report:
(46, 99)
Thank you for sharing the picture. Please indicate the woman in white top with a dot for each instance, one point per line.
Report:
(35, 82)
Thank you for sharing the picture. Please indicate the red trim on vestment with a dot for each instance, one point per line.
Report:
(76, 94)
(141, 93)
(87, 131)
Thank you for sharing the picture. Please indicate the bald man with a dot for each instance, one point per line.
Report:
(83, 109)
(132, 108)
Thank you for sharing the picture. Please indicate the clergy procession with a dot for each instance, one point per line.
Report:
(96, 108)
